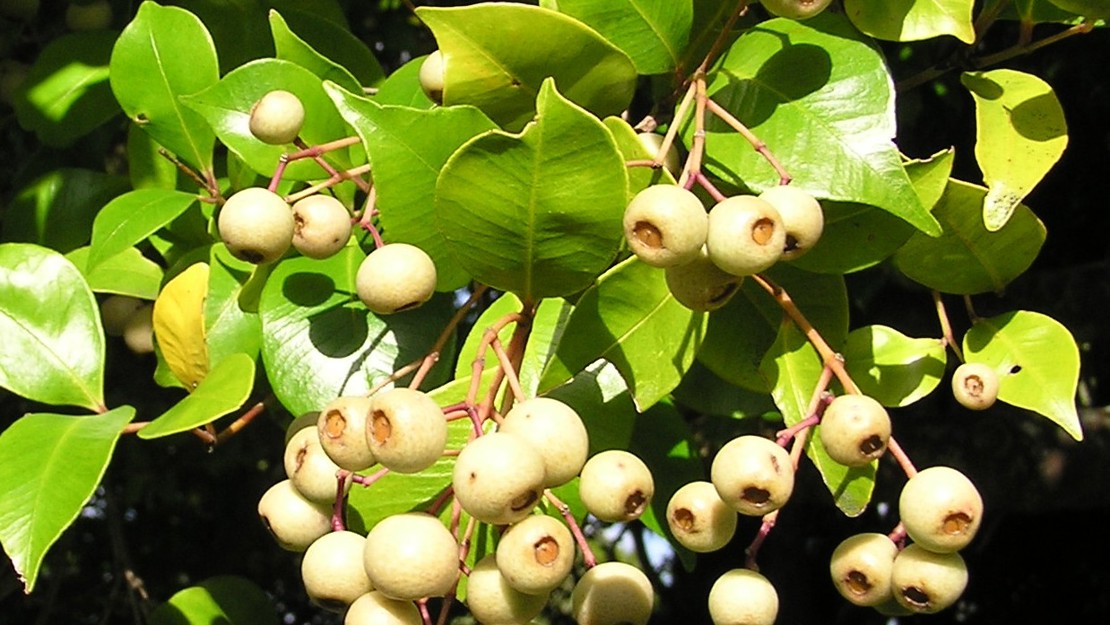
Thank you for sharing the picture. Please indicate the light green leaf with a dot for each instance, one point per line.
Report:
(53, 344)
(891, 367)
(50, 465)
(166, 52)
(1020, 134)
(653, 33)
(292, 48)
(222, 600)
(639, 178)
(146, 167)
(490, 69)
(793, 369)
(66, 93)
(58, 208)
(408, 147)
(229, 328)
(227, 106)
(1037, 362)
(968, 258)
(222, 390)
(815, 87)
(126, 273)
(630, 319)
(402, 87)
(131, 218)
(538, 213)
(912, 20)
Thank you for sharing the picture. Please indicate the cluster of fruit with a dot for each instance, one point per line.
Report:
(258, 226)
(707, 255)
(499, 478)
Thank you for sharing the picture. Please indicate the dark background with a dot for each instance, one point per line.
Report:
(176, 514)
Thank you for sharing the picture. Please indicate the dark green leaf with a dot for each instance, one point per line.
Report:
(50, 329)
(225, 388)
(131, 218)
(57, 209)
(653, 33)
(223, 600)
(891, 367)
(50, 465)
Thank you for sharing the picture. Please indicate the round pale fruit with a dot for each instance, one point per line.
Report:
(612, 593)
(138, 332)
(332, 570)
(616, 486)
(411, 556)
(941, 509)
(498, 478)
(321, 226)
(395, 277)
(745, 235)
(493, 601)
(665, 225)
(406, 431)
(556, 431)
(926, 582)
(860, 568)
(795, 9)
(277, 117)
(975, 385)
(536, 554)
(256, 225)
(753, 475)
(699, 519)
(312, 472)
(294, 522)
(801, 216)
(854, 430)
(700, 285)
(432, 72)
(342, 429)
(743, 597)
(374, 608)
(115, 311)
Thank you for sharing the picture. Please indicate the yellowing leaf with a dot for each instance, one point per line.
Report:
(1021, 133)
(179, 325)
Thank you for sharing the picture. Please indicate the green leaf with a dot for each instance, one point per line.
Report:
(912, 20)
(793, 369)
(126, 273)
(1037, 362)
(599, 394)
(402, 87)
(166, 52)
(320, 342)
(229, 328)
(653, 33)
(968, 258)
(809, 88)
(739, 334)
(222, 390)
(131, 218)
(706, 393)
(891, 367)
(639, 178)
(227, 107)
(147, 168)
(58, 208)
(1020, 134)
(50, 329)
(221, 600)
(66, 93)
(408, 147)
(489, 68)
(50, 465)
(538, 213)
(292, 48)
(630, 319)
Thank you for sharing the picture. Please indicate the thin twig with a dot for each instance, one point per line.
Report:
(946, 326)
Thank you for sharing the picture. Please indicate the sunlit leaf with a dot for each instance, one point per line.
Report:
(222, 390)
(292, 48)
(895, 369)
(912, 20)
(126, 273)
(179, 324)
(653, 33)
(222, 600)
(229, 326)
(131, 218)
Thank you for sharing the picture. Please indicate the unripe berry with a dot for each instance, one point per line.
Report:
(745, 235)
(665, 225)
(699, 519)
(927, 582)
(431, 76)
(342, 431)
(138, 332)
(256, 225)
(556, 431)
(616, 486)
(374, 608)
(612, 593)
(854, 430)
(536, 554)
(321, 226)
(975, 385)
(498, 478)
(294, 522)
(406, 432)
(277, 118)
(860, 568)
(795, 9)
(743, 597)
(700, 285)
(411, 556)
(753, 475)
(395, 277)
(941, 509)
(802, 218)
(311, 471)
(332, 570)
(493, 601)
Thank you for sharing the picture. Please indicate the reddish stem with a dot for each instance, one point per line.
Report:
(588, 557)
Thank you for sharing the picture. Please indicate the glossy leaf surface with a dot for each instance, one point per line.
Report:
(222, 390)
(231, 322)
(131, 218)
(895, 369)
(126, 273)
(653, 33)
(912, 20)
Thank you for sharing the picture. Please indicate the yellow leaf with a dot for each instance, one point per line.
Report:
(179, 325)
